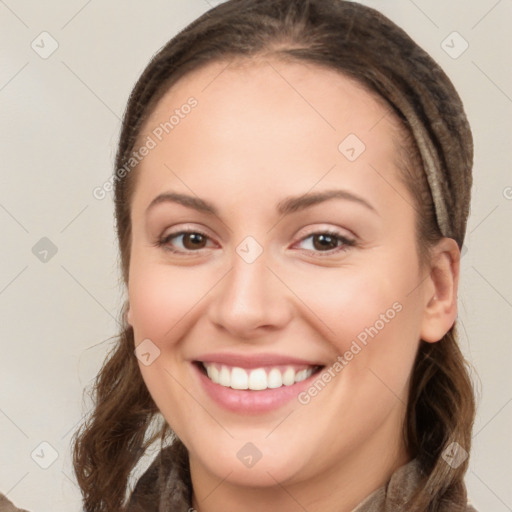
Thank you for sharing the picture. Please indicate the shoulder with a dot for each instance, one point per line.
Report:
(7, 506)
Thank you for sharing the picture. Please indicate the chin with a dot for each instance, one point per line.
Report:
(251, 466)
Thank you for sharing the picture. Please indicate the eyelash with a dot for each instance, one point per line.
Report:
(346, 242)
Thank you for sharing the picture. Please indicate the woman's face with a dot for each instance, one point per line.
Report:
(300, 255)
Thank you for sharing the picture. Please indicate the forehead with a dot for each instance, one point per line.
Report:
(272, 123)
(268, 81)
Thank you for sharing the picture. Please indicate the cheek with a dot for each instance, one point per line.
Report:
(343, 302)
(160, 297)
(163, 302)
(368, 315)
(374, 329)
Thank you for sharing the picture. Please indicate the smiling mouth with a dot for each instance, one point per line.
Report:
(256, 379)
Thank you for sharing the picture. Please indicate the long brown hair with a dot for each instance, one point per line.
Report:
(363, 44)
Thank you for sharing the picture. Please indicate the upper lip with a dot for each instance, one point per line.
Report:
(254, 360)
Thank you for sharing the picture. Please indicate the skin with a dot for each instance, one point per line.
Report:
(264, 130)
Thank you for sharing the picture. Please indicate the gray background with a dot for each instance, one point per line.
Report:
(59, 124)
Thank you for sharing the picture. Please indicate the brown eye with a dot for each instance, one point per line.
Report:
(193, 240)
(324, 242)
(184, 241)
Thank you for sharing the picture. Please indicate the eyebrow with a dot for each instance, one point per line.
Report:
(284, 207)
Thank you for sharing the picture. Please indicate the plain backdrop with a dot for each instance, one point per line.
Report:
(59, 279)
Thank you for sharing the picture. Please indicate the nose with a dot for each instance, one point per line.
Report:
(251, 300)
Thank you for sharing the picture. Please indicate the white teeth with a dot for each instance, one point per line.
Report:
(225, 377)
(274, 378)
(239, 379)
(301, 375)
(256, 379)
(213, 373)
(289, 377)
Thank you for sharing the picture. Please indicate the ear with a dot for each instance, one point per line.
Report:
(440, 291)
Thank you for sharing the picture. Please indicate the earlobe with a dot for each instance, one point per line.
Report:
(440, 301)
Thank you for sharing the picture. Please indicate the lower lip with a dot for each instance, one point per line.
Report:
(252, 402)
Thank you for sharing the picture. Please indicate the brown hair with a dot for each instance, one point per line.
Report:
(364, 45)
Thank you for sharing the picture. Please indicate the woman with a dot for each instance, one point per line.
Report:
(292, 189)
